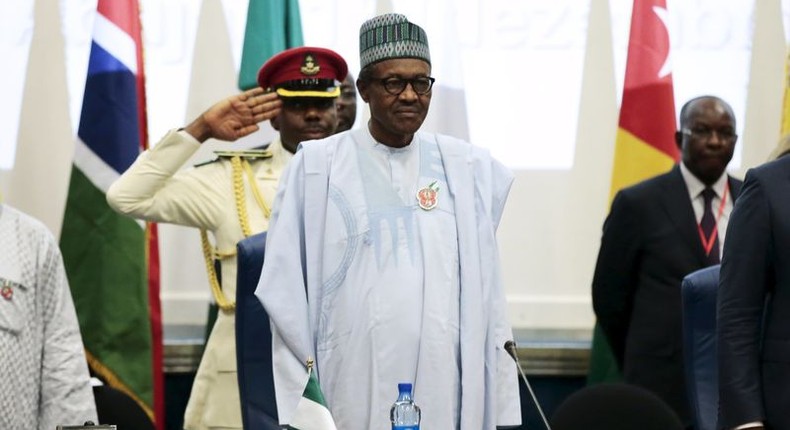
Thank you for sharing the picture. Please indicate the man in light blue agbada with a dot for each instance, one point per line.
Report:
(382, 259)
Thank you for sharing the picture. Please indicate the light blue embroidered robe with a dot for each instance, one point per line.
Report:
(396, 293)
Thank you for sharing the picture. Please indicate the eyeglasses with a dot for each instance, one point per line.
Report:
(395, 86)
(705, 133)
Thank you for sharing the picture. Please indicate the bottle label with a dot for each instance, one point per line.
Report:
(406, 427)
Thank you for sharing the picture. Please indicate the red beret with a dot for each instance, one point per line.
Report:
(304, 72)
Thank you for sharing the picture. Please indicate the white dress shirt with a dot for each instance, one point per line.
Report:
(721, 188)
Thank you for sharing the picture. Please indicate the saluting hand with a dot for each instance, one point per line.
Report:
(236, 116)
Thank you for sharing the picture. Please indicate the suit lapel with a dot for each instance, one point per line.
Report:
(676, 203)
(735, 187)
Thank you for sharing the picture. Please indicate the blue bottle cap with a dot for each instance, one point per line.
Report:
(404, 386)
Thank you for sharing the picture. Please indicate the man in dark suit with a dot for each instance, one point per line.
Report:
(754, 304)
(657, 232)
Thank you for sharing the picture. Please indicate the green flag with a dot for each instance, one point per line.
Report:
(311, 412)
(603, 365)
(272, 26)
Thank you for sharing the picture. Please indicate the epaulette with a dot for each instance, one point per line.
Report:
(249, 154)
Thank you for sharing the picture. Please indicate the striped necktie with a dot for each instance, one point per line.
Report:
(708, 227)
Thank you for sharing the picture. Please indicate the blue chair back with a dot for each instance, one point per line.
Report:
(253, 340)
(698, 292)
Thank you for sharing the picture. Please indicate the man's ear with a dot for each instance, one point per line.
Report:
(275, 122)
(678, 139)
(362, 90)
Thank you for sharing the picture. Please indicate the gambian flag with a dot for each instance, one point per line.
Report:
(311, 412)
(112, 260)
(645, 144)
(272, 26)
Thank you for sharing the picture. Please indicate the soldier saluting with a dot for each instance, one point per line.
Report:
(231, 197)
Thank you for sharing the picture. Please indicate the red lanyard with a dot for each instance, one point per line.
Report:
(707, 243)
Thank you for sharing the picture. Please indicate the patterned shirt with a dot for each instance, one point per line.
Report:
(44, 379)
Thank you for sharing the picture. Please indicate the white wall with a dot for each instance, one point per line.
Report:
(540, 82)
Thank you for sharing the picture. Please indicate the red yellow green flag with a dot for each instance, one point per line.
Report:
(645, 144)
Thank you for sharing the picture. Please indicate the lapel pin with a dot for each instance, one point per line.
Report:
(428, 196)
(7, 292)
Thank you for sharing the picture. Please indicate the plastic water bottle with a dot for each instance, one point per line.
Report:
(404, 414)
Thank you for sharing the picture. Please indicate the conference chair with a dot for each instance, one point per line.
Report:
(614, 407)
(253, 340)
(698, 293)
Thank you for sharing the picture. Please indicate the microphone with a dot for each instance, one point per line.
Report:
(510, 347)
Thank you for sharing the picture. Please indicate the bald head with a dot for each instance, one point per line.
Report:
(706, 137)
(689, 106)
